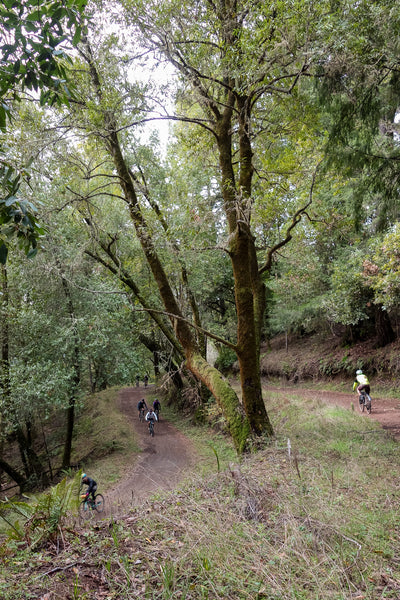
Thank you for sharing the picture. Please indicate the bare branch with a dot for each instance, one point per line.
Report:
(295, 220)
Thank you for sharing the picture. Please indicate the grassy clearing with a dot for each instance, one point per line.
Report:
(312, 515)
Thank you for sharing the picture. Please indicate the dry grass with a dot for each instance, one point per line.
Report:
(313, 519)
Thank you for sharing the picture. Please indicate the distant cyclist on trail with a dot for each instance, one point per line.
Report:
(141, 406)
(137, 380)
(361, 383)
(156, 406)
(146, 380)
(92, 486)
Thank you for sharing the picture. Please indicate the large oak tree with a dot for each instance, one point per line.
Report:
(236, 64)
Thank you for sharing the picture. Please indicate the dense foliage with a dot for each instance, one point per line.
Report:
(272, 208)
(33, 41)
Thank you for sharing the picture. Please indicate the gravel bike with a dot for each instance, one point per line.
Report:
(151, 428)
(87, 507)
(365, 402)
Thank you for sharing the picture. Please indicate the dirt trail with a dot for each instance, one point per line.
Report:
(162, 463)
(166, 458)
(384, 410)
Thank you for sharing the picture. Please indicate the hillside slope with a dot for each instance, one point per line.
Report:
(316, 518)
(322, 356)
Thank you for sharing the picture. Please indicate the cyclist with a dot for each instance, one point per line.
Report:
(156, 406)
(151, 417)
(361, 383)
(137, 380)
(141, 406)
(146, 380)
(92, 486)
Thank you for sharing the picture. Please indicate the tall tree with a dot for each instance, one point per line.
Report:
(236, 61)
(245, 61)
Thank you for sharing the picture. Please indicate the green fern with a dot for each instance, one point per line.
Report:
(43, 517)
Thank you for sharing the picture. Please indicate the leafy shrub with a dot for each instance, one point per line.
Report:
(43, 518)
(226, 358)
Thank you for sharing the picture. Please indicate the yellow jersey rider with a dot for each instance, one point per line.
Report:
(361, 383)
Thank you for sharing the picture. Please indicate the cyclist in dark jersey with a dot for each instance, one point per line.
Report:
(156, 406)
(141, 405)
(92, 485)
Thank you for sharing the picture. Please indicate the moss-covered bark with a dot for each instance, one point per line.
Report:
(238, 424)
(249, 287)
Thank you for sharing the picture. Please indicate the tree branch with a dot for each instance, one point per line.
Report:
(295, 220)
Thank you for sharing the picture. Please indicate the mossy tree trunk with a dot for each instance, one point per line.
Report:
(249, 287)
(187, 339)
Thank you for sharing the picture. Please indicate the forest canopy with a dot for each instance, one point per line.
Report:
(271, 208)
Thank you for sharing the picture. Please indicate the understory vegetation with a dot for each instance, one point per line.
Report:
(258, 239)
(311, 514)
(323, 357)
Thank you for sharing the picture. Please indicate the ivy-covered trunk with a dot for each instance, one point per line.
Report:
(238, 424)
(248, 297)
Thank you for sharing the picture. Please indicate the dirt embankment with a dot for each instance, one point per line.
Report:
(324, 356)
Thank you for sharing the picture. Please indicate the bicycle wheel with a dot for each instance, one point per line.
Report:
(362, 402)
(368, 405)
(151, 429)
(141, 416)
(99, 503)
(85, 510)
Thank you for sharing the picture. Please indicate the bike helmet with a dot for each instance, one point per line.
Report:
(83, 476)
(359, 372)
